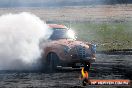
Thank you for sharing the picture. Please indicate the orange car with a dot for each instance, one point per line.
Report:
(63, 50)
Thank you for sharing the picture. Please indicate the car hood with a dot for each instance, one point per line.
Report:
(69, 42)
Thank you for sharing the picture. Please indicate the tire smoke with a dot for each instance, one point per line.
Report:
(19, 40)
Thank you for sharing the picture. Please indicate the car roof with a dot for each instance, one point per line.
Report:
(56, 26)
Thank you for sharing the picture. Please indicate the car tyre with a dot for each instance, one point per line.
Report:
(53, 61)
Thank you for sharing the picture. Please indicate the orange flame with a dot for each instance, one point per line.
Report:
(84, 73)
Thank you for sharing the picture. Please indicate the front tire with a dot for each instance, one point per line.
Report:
(53, 61)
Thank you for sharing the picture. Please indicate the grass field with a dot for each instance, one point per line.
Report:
(107, 36)
(108, 26)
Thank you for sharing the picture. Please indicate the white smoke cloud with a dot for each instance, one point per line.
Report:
(19, 40)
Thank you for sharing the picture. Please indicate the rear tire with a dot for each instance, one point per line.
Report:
(53, 62)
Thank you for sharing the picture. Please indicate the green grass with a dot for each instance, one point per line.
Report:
(106, 35)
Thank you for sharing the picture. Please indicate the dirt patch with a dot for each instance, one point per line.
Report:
(106, 67)
(98, 13)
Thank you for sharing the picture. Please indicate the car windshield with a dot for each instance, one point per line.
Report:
(62, 33)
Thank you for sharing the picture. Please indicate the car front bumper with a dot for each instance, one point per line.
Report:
(87, 59)
(79, 61)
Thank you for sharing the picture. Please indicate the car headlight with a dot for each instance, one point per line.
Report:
(93, 48)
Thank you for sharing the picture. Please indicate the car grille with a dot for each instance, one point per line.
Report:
(81, 52)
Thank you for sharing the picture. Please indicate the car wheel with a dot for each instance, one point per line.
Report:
(53, 61)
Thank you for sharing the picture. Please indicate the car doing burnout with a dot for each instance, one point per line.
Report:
(63, 50)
